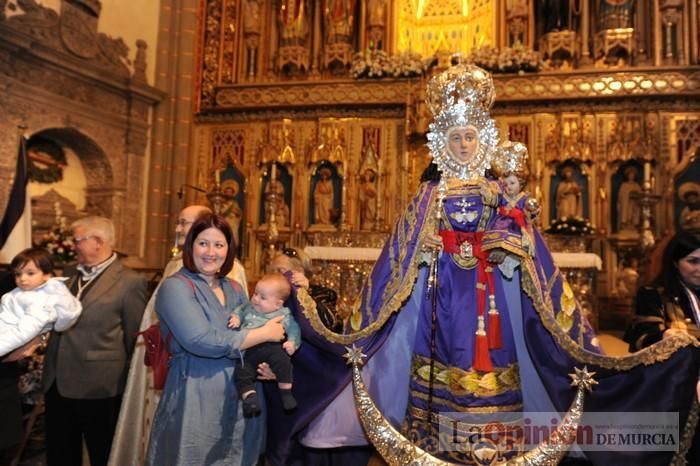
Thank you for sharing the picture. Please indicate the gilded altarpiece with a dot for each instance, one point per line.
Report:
(619, 131)
(302, 148)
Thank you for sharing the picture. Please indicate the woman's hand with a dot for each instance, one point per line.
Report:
(432, 243)
(273, 329)
(265, 373)
(23, 351)
(300, 280)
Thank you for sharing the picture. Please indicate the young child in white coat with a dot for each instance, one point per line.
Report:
(39, 304)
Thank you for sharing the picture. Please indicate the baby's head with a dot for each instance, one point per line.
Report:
(513, 184)
(32, 268)
(270, 293)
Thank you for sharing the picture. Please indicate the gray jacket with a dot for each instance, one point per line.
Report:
(91, 359)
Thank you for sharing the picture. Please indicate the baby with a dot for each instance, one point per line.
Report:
(517, 208)
(266, 303)
(40, 302)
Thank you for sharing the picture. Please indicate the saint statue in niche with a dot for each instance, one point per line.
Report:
(628, 217)
(368, 200)
(628, 278)
(323, 198)
(282, 209)
(230, 208)
(569, 199)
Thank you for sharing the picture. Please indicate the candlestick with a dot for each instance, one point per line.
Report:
(647, 172)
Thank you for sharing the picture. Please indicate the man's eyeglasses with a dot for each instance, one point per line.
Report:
(182, 223)
(78, 239)
(290, 252)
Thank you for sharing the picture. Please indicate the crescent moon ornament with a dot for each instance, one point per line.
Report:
(397, 450)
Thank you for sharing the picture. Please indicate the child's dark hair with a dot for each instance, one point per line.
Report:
(40, 257)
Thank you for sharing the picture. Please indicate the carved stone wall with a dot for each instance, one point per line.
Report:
(61, 78)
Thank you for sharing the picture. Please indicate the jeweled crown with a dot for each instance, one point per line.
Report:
(510, 158)
(467, 83)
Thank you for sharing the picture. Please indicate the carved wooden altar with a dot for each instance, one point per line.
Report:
(606, 118)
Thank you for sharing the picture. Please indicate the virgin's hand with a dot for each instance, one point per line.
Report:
(497, 256)
(265, 373)
(274, 329)
(23, 351)
(432, 243)
(300, 280)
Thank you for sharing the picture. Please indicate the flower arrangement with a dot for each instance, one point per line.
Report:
(571, 226)
(58, 240)
(506, 60)
(378, 64)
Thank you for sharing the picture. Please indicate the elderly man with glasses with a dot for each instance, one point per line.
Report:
(86, 366)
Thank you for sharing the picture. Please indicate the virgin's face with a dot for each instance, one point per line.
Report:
(689, 269)
(462, 143)
(209, 251)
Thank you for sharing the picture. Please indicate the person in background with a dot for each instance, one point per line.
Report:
(10, 401)
(197, 421)
(670, 306)
(296, 264)
(86, 366)
(140, 397)
(39, 304)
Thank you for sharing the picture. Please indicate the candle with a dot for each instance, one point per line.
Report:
(647, 172)
(273, 176)
(217, 177)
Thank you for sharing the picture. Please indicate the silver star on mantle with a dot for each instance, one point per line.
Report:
(355, 356)
(583, 379)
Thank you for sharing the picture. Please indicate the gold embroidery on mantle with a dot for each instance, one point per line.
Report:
(655, 353)
(460, 382)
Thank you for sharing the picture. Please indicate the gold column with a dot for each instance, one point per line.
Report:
(585, 34)
(640, 29)
(273, 43)
(316, 39)
(531, 25)
(694, 55)
(658, 36)
(685, 17)
(362, 31)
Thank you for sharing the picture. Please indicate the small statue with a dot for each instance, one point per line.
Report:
(569, 195)
(368, 200)
(628, 278)
(323, 198)
(628, 217)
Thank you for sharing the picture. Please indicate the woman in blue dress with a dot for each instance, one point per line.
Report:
(198, 421)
